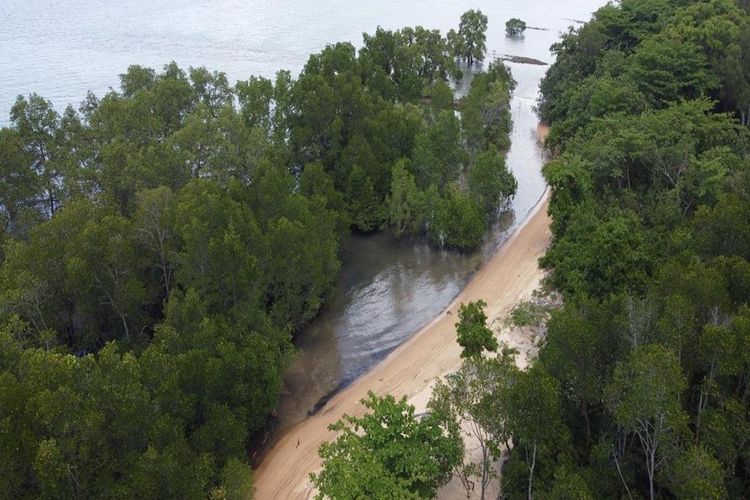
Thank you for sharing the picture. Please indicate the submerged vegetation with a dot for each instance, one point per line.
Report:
(515, 27)
(162, 245)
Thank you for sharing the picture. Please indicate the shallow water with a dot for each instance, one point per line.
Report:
(62, 48)
(387, 289)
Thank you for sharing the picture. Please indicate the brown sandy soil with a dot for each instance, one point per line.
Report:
(510, 276)
(542, 131)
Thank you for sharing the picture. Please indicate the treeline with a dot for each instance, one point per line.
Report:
(649, 359)
(162, 245)
(146, 323)
(642, 384)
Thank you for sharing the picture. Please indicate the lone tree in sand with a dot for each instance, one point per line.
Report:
(473, 334)
(515, 27)
(469, 43)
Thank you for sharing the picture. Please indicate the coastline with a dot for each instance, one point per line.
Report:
(511, 275)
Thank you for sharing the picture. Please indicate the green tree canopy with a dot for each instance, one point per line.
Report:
(515, 27)
(473, 334)
(389, 453)
(469, 42)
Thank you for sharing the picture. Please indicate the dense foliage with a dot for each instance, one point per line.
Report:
(649, 358)
(148, 291)
(389, 453)
(162, 245)
(515, 27)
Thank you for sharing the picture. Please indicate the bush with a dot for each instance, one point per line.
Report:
(515, 27)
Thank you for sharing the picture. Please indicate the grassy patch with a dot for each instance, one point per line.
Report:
(527, 314)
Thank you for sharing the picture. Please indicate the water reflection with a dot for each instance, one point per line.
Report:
(387, 289)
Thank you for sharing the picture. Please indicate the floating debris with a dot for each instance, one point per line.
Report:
(521, 60)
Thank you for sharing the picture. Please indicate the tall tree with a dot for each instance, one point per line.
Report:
(534, 419)
(36, 123)
(490, 182)
(473, 33)
(644, 397)
(476, 396)
(405, 202)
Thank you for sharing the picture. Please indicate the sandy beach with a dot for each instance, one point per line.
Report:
(511, 275)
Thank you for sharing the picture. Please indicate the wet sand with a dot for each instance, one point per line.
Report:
(511, 275)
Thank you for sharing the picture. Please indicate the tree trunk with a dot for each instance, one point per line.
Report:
(649, 435)
(74, 481)
(703, 400)
(651, 472)
(484, 474)
(531, 469)
(619, 471)
(585, 412)
(124, 324)
(165, 273)
(51, 200)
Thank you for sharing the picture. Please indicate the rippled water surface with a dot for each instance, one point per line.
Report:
(387, 289)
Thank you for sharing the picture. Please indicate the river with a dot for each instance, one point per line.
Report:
(387, 289)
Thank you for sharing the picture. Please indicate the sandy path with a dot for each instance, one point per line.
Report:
(509, 276)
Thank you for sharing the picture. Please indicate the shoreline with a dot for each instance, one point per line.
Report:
(510, 275)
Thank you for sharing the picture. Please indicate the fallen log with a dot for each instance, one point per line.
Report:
(521, 60)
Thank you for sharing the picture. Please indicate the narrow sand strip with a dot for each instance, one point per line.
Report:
(511, 275)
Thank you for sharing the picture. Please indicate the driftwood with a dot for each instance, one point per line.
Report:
(521, 60)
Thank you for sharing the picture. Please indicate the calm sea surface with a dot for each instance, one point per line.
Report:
(387, 288)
